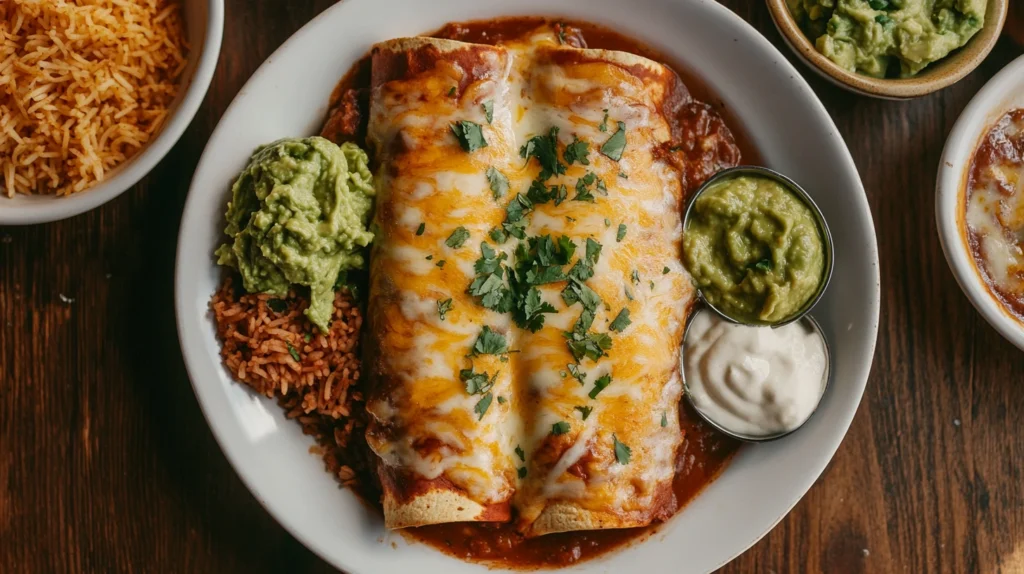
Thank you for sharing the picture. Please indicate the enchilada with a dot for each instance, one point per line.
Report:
(527, 296)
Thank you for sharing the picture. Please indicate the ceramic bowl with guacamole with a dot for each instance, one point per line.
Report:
(757, 246)
(895, 49)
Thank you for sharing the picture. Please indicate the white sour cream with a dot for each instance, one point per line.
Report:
(754, 381)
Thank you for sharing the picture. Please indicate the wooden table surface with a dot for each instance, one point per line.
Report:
(106, 463)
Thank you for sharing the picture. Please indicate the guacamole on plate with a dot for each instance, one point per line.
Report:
(888, 37)
(297, 216)
(754, 249)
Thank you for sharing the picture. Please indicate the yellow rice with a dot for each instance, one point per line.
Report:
(84, 84)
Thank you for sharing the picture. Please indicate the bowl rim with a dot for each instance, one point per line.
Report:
(27, 210)
(993, 100)
(942, 74)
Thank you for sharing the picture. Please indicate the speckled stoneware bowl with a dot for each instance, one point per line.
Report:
(941, 74)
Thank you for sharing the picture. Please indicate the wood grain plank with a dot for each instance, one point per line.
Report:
(106, 463)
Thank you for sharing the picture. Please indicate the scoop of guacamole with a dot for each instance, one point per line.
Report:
(297, 216)
(883, 38)
(754, 249)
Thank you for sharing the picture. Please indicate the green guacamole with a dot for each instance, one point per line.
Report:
(754, 249)
(297, 216)
(875, 37)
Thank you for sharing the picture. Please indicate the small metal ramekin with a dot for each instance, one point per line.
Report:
(826, 380)
(819, 219)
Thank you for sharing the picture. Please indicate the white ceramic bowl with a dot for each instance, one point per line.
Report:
(288, 96)
(204, 20)
(1001, 94)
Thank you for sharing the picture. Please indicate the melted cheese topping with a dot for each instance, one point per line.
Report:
(426, 177)
(995, 211)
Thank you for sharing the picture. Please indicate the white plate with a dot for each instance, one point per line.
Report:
(288, 96)
(1004, 92)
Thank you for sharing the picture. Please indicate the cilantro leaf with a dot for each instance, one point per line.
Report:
(664, 419)
(561, 427)
(593, 251)
(592, 345)
(451, 92)
(277, 305)
(616, 144)
(469, 134)
(482, 406)
(501, 400)
(421, 229)
(576, 152)
(582, 193)
(531, 314)
(599, 385)
(443, 307)
(538, 275)
(498, 235)
(490, 343)
(520, 453)
(576, 373)
(538, 192)
(560, 195)
(517, 208)
(585, 411)
(604, 122)
(764, 265)
(497, 182)
(476, 383)
(522, 472)
(545, 149)
(488, 107)
(622, 452)
(665, 270)
(621, 321)
(635, 277)
(457, 238)
(621, 233)
(293, 353)
(440, 263)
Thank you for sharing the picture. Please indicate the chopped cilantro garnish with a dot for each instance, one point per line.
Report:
(585, 411)
(629, 294)
(576, 152)
(604, 122)
(593, 251)
(531, 314)
(878, 4)
(469, 134)
(601, 187)
(621, 321)
(664, 270)
(545, 149)
(560, 195)
(443, 307)
(429, 257)
(883, 19)
(293, 352)
(520, 453)
(561, 34)
(277, 305)
(599, 385)
(540, 193)
(664, 419)
(516, 209)
(561, 427)
(307, 337)
(576, 373)
(622, 452)
(592, 345)
(482, 405)
(457, 238)
(490, 343)
(476, 383)
(764, 265)
(522, 471)
(451, 92)
(421, 229)
(623, 175)
(501, 400)
(497, 182)
(488, 107)
(607, 222)
(621, 233)
(652, 285)
(582, 193)
(635, 277)
(498, 235)
(575, 291)
(615, 144)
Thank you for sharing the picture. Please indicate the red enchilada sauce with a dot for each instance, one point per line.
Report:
(702, 145)
(994, 211)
